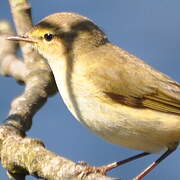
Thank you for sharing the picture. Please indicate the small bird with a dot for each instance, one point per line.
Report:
(113, 93)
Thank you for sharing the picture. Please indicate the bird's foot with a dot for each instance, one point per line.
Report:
(101, 169)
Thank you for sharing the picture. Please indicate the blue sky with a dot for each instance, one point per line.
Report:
(148, 29)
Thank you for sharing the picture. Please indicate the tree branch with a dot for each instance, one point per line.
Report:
(10, 65)
(29, 156)
(38, 78)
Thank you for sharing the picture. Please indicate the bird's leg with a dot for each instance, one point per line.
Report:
(113, 165)
(104, 169)
(154, 164)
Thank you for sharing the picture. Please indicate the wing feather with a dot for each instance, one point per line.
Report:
(128, 80)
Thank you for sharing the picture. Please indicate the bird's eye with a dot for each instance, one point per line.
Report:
(48, 37)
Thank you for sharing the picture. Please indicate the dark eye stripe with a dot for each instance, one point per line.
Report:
(48, 37)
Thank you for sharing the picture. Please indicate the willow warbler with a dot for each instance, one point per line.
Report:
(115, 94)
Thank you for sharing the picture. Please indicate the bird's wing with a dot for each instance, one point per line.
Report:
(164, 99)
(156, 99)
(128, 80)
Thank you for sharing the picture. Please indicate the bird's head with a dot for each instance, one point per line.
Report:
(62, 33)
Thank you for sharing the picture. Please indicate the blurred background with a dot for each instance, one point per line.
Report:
(148, 29)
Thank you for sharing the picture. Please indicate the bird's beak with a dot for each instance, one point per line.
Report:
(21, 38)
